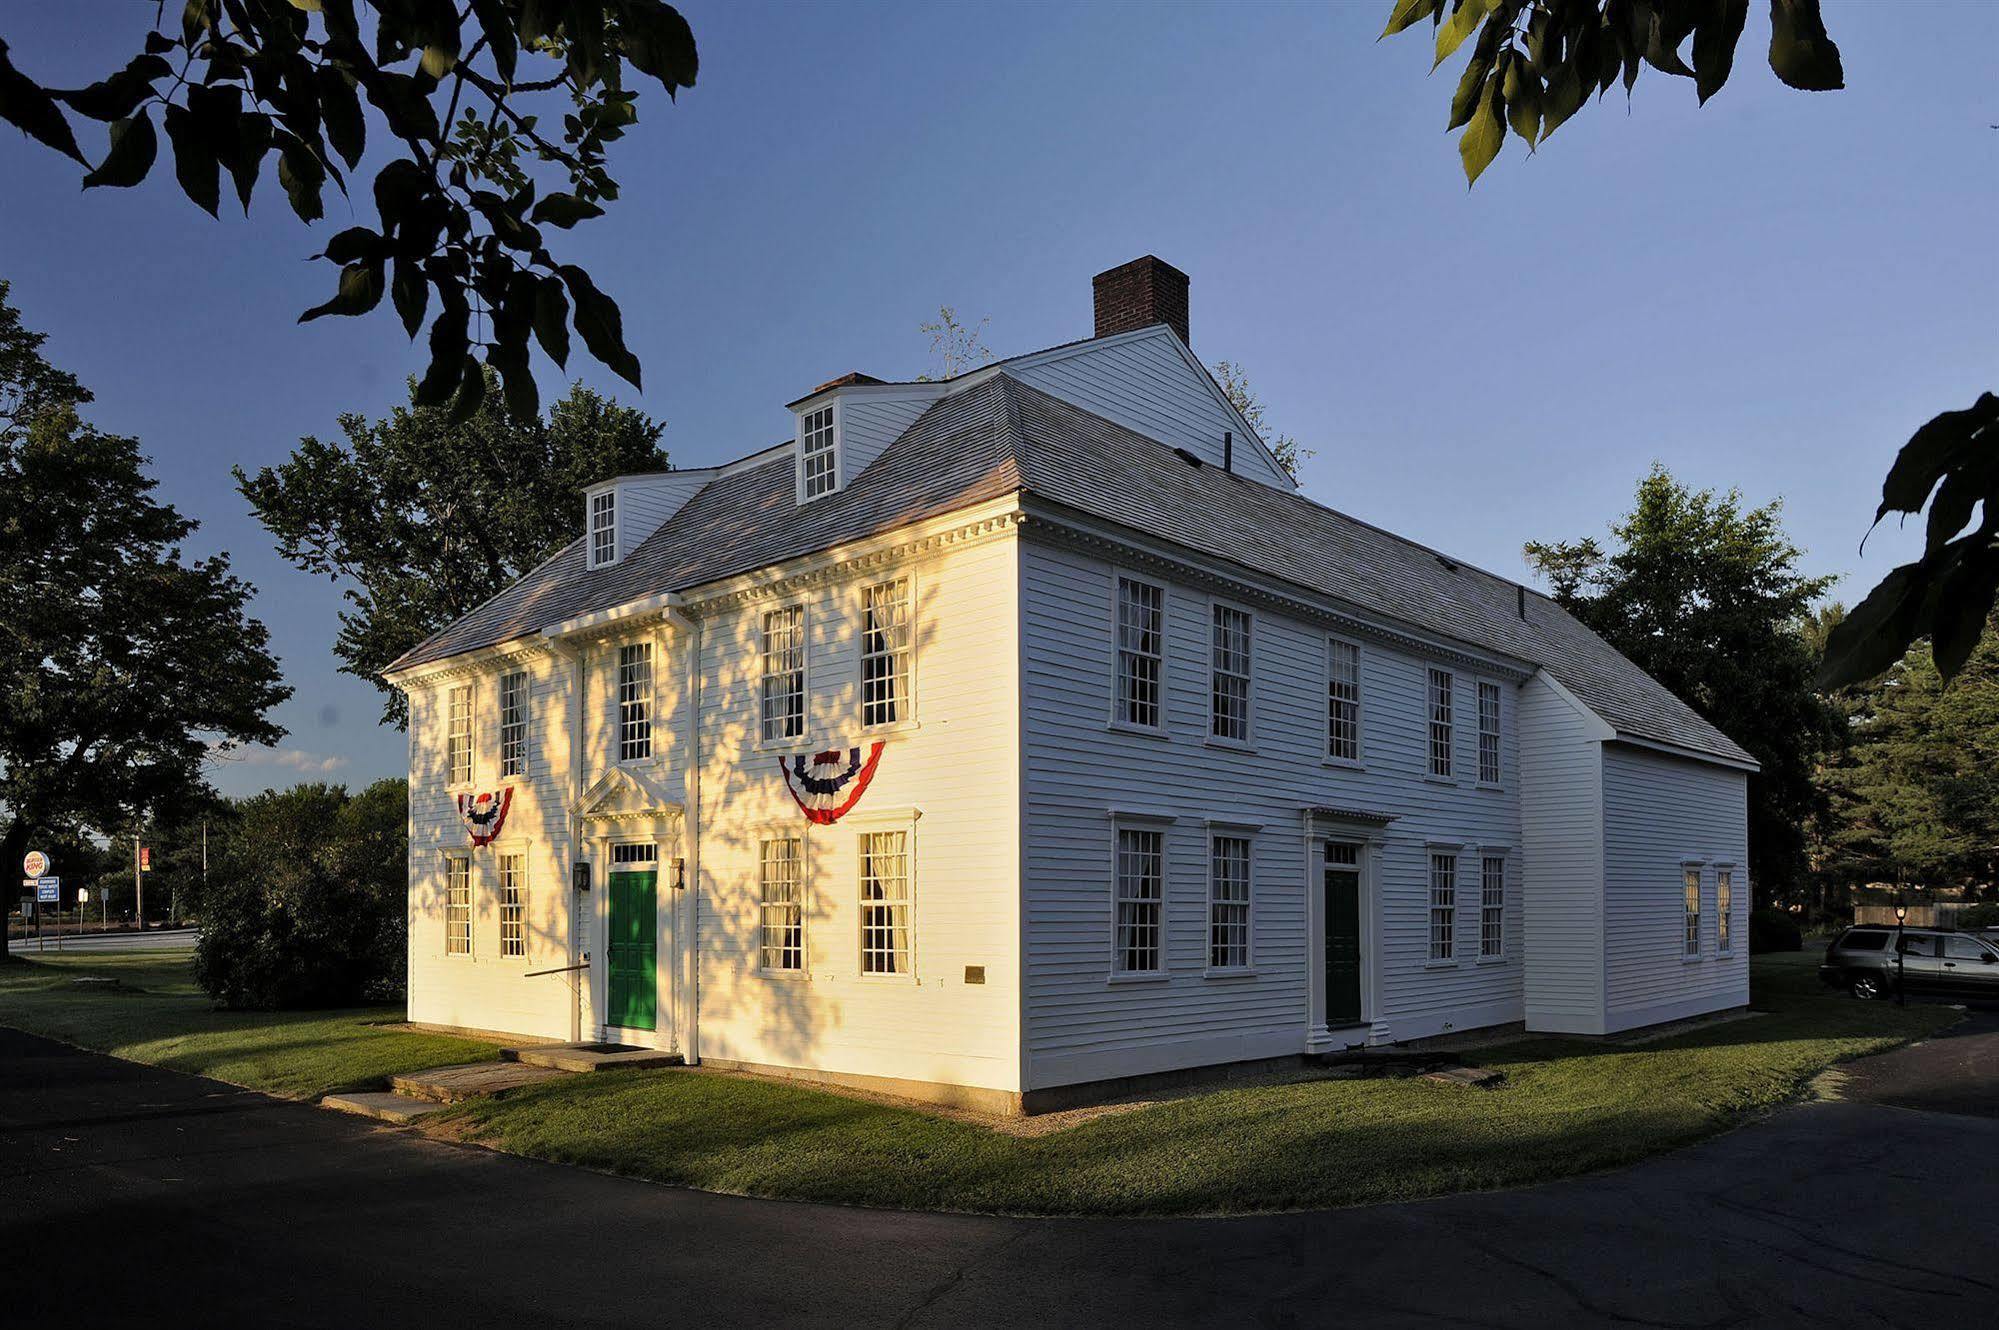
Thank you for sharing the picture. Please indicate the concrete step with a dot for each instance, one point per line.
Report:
(380, 1104)
(589, 1057)
(472, 1080)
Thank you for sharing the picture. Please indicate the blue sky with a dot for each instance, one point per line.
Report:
(1769, 292)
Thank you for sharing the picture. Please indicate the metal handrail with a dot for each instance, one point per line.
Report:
(564, 969)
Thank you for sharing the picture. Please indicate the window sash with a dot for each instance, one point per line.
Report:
(885, 902)
(603, 528)
(513, 723)
(781, 904)
(513, 905)
(1693, 909)
(782, 647)
(1488, 733)
(1141, 652)
(1440, 722)
(1724, 904)
(458, 735)
(885, 651)
(457, 906)
(1443, 906)
(1229, 903)
(1229, 694)
(1137, 941)
(1492, 907)
(1342, 701)
(635, 701)
(820, 462)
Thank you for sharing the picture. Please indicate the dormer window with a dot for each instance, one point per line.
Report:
(603, 528)
(818, 459)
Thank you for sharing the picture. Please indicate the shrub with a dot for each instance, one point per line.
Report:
(1773, 930)
(305, 905)
(1979, 916)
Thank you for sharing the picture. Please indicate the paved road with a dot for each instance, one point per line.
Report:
(128, 1189)
(159, 939)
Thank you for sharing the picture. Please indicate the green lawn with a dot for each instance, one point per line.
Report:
(1566, 1107)
(159, 1016)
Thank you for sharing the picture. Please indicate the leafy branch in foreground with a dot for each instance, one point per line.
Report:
(461, 209)
(1536, 61)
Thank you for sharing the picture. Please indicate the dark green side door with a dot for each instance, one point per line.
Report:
(634, 950)
(1342, 946)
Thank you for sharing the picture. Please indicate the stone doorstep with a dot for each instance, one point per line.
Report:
(451, 1085)
(381, 1105)
(586, 1057)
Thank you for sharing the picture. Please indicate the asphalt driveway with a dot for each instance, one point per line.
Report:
(129, 1194)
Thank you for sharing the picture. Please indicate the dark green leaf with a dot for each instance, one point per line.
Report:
(360, 291)
(133, 147)
(505, 217)
(1471, 88)
(1933, 450)
(600, 325)
(1715, 40)
(302, 175)
(24, 105)
(196, 18)
(471, 392)
(1564, 96)
(411, 293)
(1482, 137)
(1963, 604)
(195, 164)
(1955, 499)
(510, 358)
(1878, 630)
(1453, 31)
(354, 244)
(657, 40)
(1408, 13)
(498, 26)
(117, 97)
(246, 156)
(551, 319)
(1521, 91)
(447, 352)
(1801, 53)
(340, 109)
(565, 210)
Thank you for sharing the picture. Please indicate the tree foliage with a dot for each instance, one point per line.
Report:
(123, 662)
(305, 903)
(423, 516)
(956, 347)
(1234, 380)
(246, 88)
(1704, 594)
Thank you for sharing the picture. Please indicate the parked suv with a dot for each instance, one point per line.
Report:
(1866, 962)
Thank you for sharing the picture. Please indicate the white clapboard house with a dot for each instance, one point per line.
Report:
(996, 739)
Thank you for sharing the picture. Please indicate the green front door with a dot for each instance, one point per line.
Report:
(634, 950)
(1342, 944)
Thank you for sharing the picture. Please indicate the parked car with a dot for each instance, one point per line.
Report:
(1866, 962)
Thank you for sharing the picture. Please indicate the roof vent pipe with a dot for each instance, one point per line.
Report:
(1228, 450)
(1521, 593)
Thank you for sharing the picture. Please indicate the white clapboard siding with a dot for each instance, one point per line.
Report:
(1658, 811)
(1083, 1026)
(1561, 763)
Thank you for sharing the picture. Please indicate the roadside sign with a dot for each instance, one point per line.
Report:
(35, 864)
(145, 859)
(83, 895)
(48, 890)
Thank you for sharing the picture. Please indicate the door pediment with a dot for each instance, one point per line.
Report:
(621, 794)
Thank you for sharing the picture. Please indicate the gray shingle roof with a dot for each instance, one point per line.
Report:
(1001, 437)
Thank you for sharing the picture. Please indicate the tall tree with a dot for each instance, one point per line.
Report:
(1535, 63)
(1705, 595)
(122, 660)
(422, 516)
(462, 91)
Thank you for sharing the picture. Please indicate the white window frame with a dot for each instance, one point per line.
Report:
(1491, 906)
(1216, 609)
(808, 431)
(765, 736)
(1491, 778)
(1120, 708)
(1691, 887)
(603, 533)
(794, 908)
(1335, 647)
(636, 711)
(1440, 715)
(907, 903)
(1724, 909)
(902, 659)
(514, 723)
(1443, 904)
(1246, 904)
(1159, 971)
(510, 870)
(459, 768)
(458, 905)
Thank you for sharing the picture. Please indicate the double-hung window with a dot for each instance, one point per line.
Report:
(458, 734)
(1492, 907)
(603, 528)
(1228, 903)
(1229, 709)
(1724, 905)
(1141, 653)
(885, 902)
(1440, 723)
(1443, 906)
(781, 888)
(513, 723)
(635, 702)
(513, 905)
(1136, 944)
(885, 638)
(1342, 701)
(819, 464)
(457, 905)
(1693, 911)
(1488, 733)
(783, 651)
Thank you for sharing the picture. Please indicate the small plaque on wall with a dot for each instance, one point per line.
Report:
(975, 974)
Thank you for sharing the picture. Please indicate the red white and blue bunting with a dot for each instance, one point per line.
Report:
(825, 785)
(485, 814)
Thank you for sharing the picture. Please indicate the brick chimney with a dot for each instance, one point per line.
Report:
(1139, 294)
